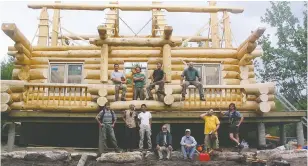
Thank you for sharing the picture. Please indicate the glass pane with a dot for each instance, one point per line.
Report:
(74, 74)
(57, 73)
(212, 74)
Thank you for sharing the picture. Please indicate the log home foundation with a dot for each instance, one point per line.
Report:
(61, 84)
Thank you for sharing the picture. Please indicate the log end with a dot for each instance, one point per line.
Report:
(168, 99)
(6, 98)
(8, 26)
(102, 92)
(5, 108)
(101, 101)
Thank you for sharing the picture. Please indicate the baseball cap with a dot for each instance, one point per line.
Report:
(187, 130)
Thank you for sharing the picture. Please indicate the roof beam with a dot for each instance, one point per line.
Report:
(169, 8)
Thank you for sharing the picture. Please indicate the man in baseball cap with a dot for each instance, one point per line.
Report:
(188, 145)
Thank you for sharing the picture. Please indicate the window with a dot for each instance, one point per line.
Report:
(66, 73)
(210, 73)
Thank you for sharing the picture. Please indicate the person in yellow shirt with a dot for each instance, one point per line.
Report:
(211, 126)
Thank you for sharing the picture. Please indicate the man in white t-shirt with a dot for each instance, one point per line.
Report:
(145, 121)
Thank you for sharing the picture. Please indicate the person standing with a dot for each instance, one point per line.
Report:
(158, 78)
(130, 119)
(190, 76)
(211, 126)
(235, 120)
(164, 143)
(138, 84)
(119, 81)
(106, 120)
(188, 145)
(145, 121)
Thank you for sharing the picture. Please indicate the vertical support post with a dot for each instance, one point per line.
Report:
(113, 29)
(43, 28)
(100, 140)
(167, 62)
(11, 137)
(282, 136)
(227, 30)
(104, 64)
(154, 18)
(300, 133)
(261, 134)
(55, 26)
(214, 27)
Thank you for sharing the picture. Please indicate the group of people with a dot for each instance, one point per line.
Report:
(188, 77)
(107, 119)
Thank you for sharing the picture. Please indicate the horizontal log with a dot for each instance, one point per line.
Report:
(135, 53)
(205, 53)
(5, 88)
(79, 107)
(11, 30)
(245, 59)
(15, 73)
(6, 98)
(147, 42)
(257, 52)
(230, 74)
(57, 97)
(246, 75)
(5, 108)
(168, 99)
(260, 88)
(87, 37)
(39, 66)
(38, 74)
(33, 61)
(213, 98)
(251, 97)
(175, 67)
(169, 8)
(64, 48)
(231, 81)
(205, 60)
(12, 53)
(246, 49)
(247, 68)
(265, 98)
(227, 67)
(68, 54)
(38, 81)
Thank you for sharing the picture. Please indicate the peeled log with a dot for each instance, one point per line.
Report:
(213, 98)
(102, 31)
(247, 48)
(5, 108)
(39, 81)
(38, 74)
(245, 60)
(15, 74)
(174, 67)
(103, 92)
(167, 62)
(205, 60)
(205, 53)
(265, 98)
(168, 99)
(101, 101)
(14, 85)
(6, 98)
(230, 68)
(251, 97)
(104, 64)
(16, 97)
(5, 88)
(22, 49)
(35, 97)
(135, 53)
(267, 106)
(231, 81)
(230, 74)
(24, 73)
(93, 89)
(11, 30)
(150, 42)
(260, 88)
(68, 54)
(39, 66)
(255, 35)
(79, 107)
(33, 61)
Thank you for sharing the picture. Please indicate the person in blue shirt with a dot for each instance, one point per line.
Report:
(235, 120)
(188, 145)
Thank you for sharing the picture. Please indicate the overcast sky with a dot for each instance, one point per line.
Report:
(184, 24)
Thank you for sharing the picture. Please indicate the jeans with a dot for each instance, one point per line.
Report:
(145, 129)
(138, 92)
(108, 130)
(152, 86)
(119, 87)
(130, 134)
(197, 84)
(190, 151)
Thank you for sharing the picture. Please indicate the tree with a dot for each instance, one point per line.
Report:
(286, 63)
(7, 66)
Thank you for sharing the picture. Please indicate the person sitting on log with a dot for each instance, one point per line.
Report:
(235, 120)
(158, 78)
(130, 119)
(119, 81)
(145, 122)
(188, 145)
(138, 84)
(211, 126)
(190, 75)
(164, 143)
(106, 119)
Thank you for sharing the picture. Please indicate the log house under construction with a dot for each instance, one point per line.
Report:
(55, 82)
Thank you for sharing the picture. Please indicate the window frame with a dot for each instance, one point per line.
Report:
(66, 64)
(203, 65)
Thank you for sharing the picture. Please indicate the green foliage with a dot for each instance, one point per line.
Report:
(286, 63)
(7, 66)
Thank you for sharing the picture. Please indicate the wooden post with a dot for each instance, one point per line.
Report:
(214, 27)
(116, 20)
(261, 134)
(43, 28)
(167, 62)
(11, 137)
(282, 134)
(227, 30)
(100, 140)
(104, 64)
(55, 27)
(300, 133)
